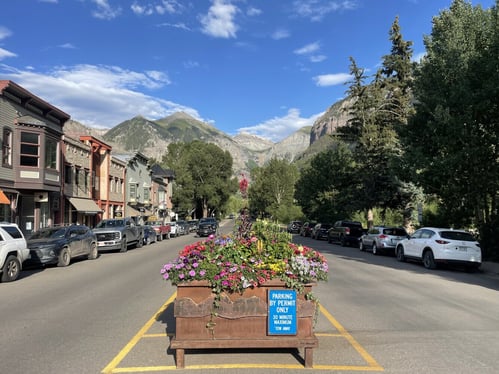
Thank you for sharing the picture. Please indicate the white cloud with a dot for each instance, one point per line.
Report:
(280, 34)
(317, 58)
(219, 22)
(253, 12)
(316, 10)
(6, 54)
(67, 46)
(105, 11)
(331, 79)
(278, 128)
(4, 32)
(163, 7)
(308, 49)
(99, 96)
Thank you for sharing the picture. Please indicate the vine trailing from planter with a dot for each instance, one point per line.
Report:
(253, 254)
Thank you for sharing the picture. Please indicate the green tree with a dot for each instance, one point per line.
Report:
(325, 188)
(271, 191)
(452, 140)
(203, 176)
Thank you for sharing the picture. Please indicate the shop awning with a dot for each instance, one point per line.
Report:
(86, 206)
(3, 198)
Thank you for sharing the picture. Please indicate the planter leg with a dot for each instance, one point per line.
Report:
(309, 357)
(179, 357)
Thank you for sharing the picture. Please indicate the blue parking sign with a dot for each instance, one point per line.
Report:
(282, 312)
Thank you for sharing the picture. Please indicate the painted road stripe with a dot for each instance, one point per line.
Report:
(112, 368)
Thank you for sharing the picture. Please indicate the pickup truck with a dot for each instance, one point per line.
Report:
(346, 233)
(118, 234)
(162, 229)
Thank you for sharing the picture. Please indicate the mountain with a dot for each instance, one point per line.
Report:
(336, 116)
(152, 138)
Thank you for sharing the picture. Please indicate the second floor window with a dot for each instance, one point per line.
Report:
(7, 148)
(51, 153)
(133, 190)
(146, 193)
(30, 146)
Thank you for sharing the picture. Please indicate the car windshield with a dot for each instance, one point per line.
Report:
(49, 233)
(457, 235)
(110, 223)
(395, 232)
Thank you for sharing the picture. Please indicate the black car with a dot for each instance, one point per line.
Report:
(306, 229)
(320, 230)
(207, 226)
(294, 227)
(58, 245)
(150, 235)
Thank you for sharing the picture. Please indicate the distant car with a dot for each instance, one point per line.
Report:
(382, 239)
(346, 233)
(174, 231)
(320, 230)
(193, 225)
(150, 235)
(294, 227)
(59, 245)
(433, 246)
(207, 226)
(182, 227)
(306, 229)
(162, 229)
(13, 251)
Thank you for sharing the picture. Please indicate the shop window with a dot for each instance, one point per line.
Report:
(51, 146)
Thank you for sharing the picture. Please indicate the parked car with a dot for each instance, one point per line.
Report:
(207, 226)
(182, 227)
(382, 239)
(59, 245)
(13, 251)
(119, 234)
(174, 232)
(193, 225)
(306, 229)
(345, 232)
(150, 235)
(320, 230)
(161, 228)
(433, 246)
(294, 227)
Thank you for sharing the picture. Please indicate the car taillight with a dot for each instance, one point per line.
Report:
(347, 230)
(440, 241)
(383, 236)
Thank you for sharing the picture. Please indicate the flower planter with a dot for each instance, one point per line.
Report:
(241, 321)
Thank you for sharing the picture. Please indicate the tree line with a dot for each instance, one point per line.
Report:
(420, 146)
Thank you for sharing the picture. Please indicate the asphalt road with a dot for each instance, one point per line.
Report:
(112, 315)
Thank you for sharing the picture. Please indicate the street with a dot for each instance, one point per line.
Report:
(113, 314)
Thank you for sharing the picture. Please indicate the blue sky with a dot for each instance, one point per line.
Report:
(266, 67)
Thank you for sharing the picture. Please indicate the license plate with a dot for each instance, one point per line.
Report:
(462, 249)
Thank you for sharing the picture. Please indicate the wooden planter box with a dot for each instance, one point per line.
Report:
(241, 321)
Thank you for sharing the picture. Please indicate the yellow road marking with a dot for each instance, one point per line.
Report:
(112, 368)
(120, 356)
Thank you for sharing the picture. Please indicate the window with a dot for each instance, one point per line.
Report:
(87, 180)
(7, 148)
(30, 144)
(133, 190)
(77, 176)
(146, 193)
(51, 146)
(68, 174)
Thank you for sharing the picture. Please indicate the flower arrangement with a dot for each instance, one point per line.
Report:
(252, 255)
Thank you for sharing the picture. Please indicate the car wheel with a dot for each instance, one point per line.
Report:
(92, 255)
(11, 269)
(148, 241)
(159, 237)
(375, 249)
(64, 258)
(361, 246)
(400, 253)
(140, 242)
(342, 241)
(429, 260)
(124, 245)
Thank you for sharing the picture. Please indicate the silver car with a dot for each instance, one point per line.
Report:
(382, 239)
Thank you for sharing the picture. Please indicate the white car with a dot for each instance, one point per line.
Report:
(13, 251)
(433, 245)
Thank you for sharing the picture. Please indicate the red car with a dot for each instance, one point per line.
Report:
(162, 229)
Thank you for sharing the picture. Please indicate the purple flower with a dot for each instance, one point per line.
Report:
(192, 273)
(181, 276)
(166, 276)
(195, 265)
(202, 273)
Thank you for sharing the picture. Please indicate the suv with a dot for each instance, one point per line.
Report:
(13, 251)
(294, 227)
(346, 233)
(207, 226)
(320, 230)
(432, 245)
(382, 239)
(58, 245)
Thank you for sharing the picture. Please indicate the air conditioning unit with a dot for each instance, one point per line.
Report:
(41, 197)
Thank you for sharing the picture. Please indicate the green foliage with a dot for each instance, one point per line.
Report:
(204, 180)
(272, 188)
